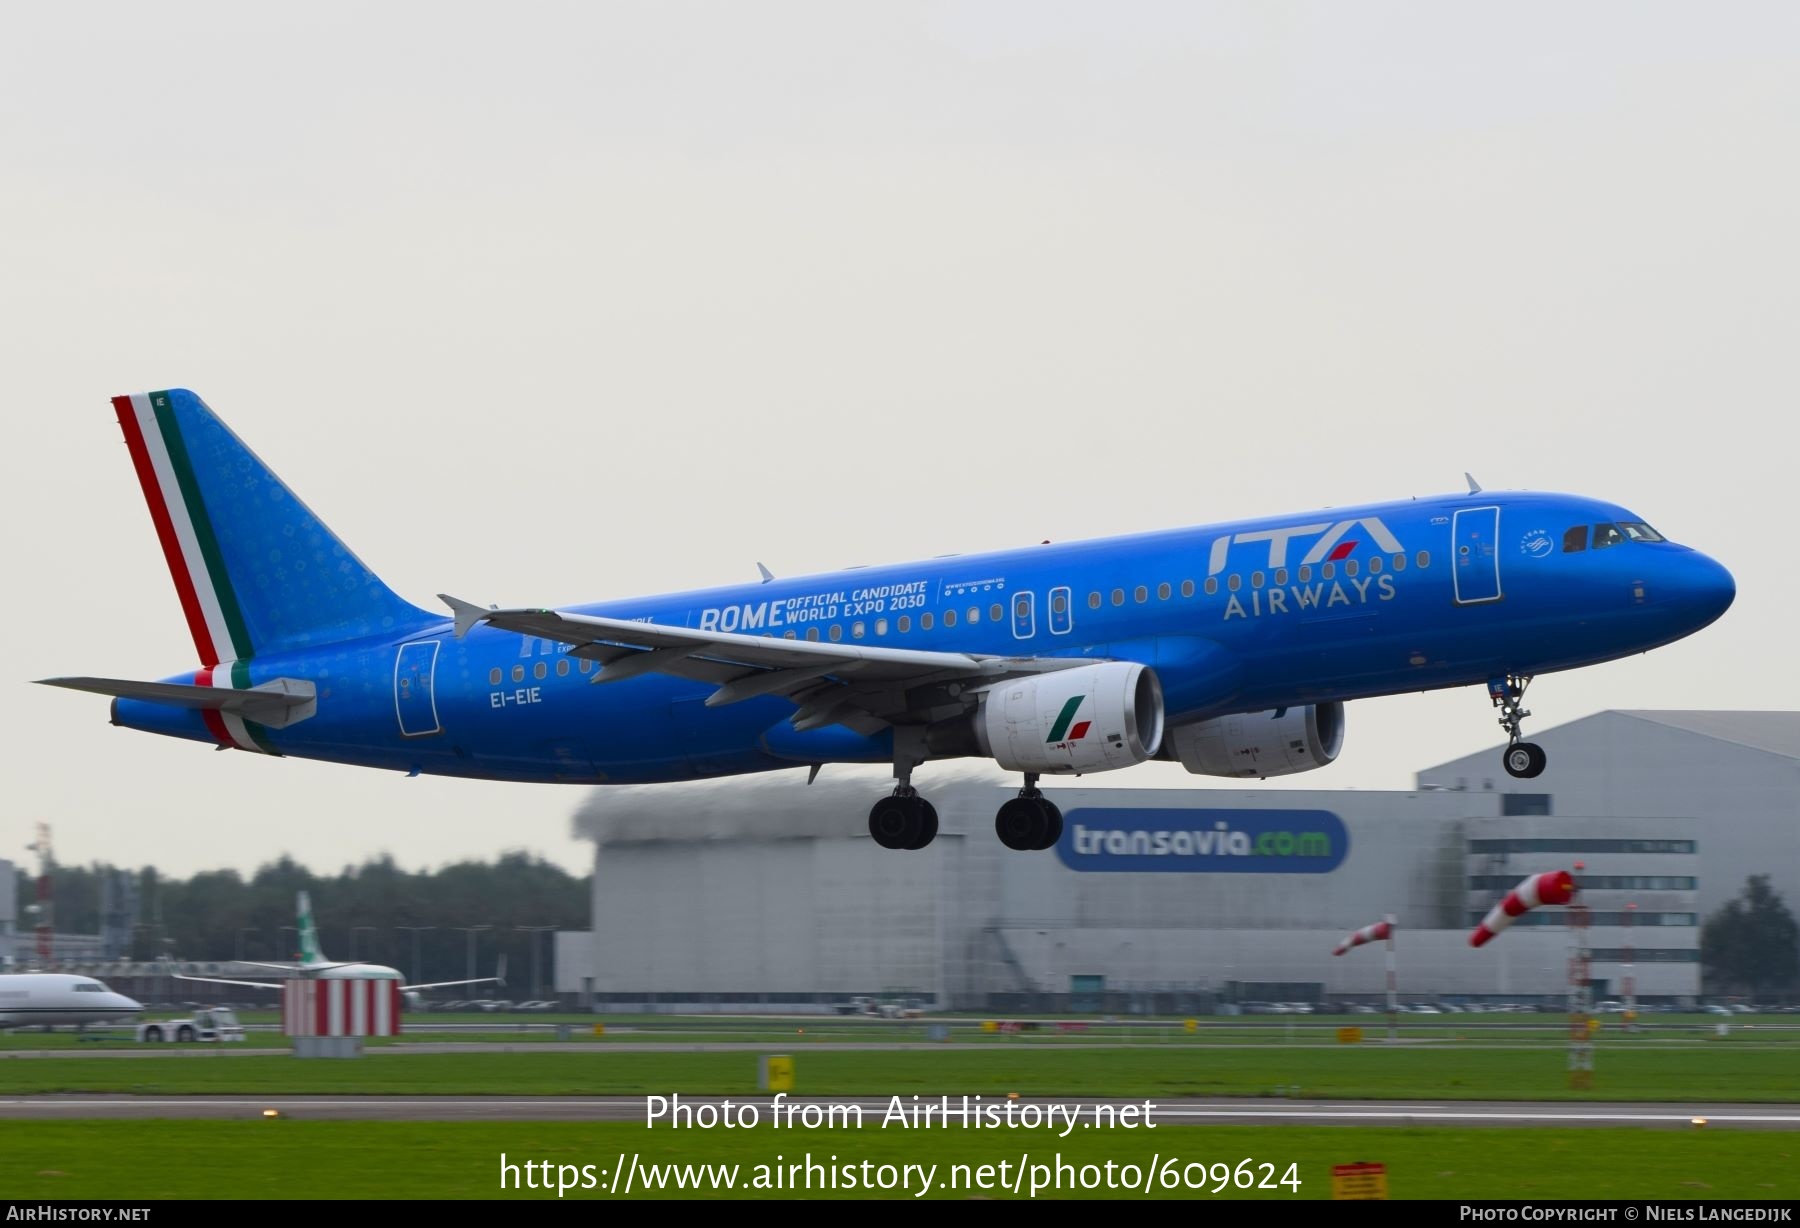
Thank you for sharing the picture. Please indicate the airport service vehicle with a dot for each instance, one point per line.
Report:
(47, 999)
(1231, 648)
(213, 1024)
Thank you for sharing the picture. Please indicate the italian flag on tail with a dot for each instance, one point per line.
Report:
(191, 547)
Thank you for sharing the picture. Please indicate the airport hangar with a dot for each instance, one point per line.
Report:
(767, 895)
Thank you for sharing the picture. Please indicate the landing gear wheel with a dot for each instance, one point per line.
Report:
(1020, 824)
(1028, 824)
(928, 823)
(1524, 760)
(896, 822)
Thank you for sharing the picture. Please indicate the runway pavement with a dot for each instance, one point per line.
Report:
(1172, 1112)
(555, 1046)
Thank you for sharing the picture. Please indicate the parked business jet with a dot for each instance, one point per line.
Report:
(1230, 649)
(312, 965)
(31, 999)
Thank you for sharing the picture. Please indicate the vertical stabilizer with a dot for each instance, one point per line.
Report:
(309, 937)
(256, 571)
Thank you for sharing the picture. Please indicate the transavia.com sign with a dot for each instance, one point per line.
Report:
(1113, 839)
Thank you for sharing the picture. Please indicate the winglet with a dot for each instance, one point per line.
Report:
(500, 972)
(468, 614)
(767, 575)
(1474, 486)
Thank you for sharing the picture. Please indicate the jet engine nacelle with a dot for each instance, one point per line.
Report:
(1276, 743)
(1093, 718)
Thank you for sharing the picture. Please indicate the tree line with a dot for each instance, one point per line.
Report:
(417, 921)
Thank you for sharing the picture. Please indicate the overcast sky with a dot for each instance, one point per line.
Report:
(547, 303)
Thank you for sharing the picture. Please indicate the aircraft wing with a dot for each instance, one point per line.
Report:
(499, 978)
(214, 980)
(277, 703)
(862, 686)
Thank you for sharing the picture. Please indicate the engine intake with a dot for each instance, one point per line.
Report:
(1093, 718)
(1261, 744)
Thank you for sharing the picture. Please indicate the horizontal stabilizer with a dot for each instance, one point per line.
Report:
(277, 703)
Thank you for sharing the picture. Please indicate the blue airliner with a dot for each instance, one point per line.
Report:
(1230, 649)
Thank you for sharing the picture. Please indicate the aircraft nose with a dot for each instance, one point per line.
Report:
(129, 1004)
(1707, 589)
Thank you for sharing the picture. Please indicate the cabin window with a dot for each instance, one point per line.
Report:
(1281, 575)
(1375, 564)
(1575, 540)
(494, 676)
(1118, 596)
(539, 670)
(789, 635)
(562, 668)
(1423, 558)
(904, 624)
(1212, 586)
(836, 633)
(949, 618)
(1638, 531)
(974, 614)
(1350, 568)
(812, 634)
(1327, 571)
(1093, 601)
(587, 666)
(1140, 594)
(925, 621)
(1187, 588)
(1607, 535)
(1234, 582)
(996, 612)
(856, 630)
(1059, 603)
(1163, 591)
(1305, 574)
(881, 626)
(1399, 562)
(1256, 579)
(518, 673)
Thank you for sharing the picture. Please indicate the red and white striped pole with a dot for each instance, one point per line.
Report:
(1393, 995)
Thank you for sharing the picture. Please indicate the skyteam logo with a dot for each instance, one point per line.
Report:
(1075, 732)
(1537, 544)
(1114, 840)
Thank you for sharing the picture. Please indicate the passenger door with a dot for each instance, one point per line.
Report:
(414, 701)
(1475, 554)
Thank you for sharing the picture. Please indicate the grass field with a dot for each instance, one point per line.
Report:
(1622, 1072)
(300, 1159)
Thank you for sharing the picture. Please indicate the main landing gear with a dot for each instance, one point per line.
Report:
(1029, 822)
(1521, 759)
(903, 821)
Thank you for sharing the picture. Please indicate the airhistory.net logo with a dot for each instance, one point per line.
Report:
(1203, 841)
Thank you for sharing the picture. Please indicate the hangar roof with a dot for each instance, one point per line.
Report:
(1778, 733)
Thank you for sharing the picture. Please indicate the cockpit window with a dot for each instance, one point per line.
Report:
(88, 987)
(1575, 539)
(1638, 531)
(1607, 535)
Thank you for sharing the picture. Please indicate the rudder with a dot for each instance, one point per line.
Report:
(256, 571)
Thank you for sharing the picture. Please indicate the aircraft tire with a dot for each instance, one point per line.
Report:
(1021, 824)
(928, 824)
(153, 1036)
(1053, 824)
(895, 822)
(1524, 760)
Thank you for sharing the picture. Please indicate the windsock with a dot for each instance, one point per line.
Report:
(1368, 933)
(1554, 887)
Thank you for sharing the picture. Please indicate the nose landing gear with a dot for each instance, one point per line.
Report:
(1521, 759)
